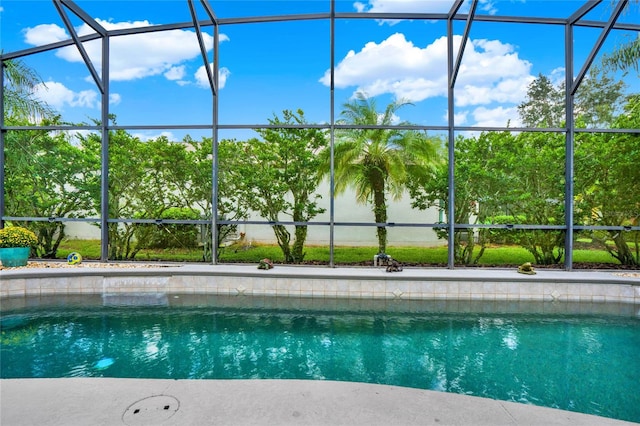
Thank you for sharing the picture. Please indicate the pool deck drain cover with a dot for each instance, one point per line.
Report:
(151, 410)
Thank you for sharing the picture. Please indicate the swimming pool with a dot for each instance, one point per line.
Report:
(586, 363)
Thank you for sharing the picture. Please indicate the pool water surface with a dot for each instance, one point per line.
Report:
(583, 363)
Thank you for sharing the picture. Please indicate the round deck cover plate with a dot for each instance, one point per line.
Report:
(151, 410)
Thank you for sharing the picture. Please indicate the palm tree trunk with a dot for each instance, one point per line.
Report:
(380, 213)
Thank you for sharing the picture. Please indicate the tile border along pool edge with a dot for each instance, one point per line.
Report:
(326, 283)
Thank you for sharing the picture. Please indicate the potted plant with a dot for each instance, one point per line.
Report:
(15, 245)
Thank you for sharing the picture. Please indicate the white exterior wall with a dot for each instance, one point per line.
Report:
(346, 210)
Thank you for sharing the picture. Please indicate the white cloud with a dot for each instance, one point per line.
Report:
(175, 73)
(403, 6)
(496, 117)
(58, 96)
(132, 56)
(203, 81)
(418, 6)
(44, 34)
(459, 118)
(491, 71)
(487, 6)
(114, 98)
(395, 65)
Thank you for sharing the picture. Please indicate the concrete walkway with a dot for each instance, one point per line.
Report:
(102, 401)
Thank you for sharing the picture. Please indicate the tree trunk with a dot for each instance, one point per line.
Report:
(283, 237)
(297, 252)
(380, 213)
(624, 253)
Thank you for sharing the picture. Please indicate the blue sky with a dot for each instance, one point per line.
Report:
(158, 78)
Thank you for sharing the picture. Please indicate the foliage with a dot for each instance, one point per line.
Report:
(170, 235)
(199, 172)
(544, 105)
(501, 173)
(20, 102)
(46, 175)
(377, 161)
(144, 181)
(611, 197)
(17, 236)
(503, 236)
(527, 181)
(597, 99)
(431, 190)
(278, 176)
(625, 56)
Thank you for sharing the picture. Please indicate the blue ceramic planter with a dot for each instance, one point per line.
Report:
(14, 256)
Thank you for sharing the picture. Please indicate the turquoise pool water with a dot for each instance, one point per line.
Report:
(584, 363)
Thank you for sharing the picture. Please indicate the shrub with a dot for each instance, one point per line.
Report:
(16, 236)
(171, 235)
(504, 236)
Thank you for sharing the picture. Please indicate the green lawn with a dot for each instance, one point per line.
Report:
(436, 256)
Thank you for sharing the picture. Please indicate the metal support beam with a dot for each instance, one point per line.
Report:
(463, 43)
(210, 12)
(104, 155)
(79, 45)
(594, 51)
(203, 49)
(213, 76)
(80, 13)
(2, 133)
(454, 9)
(332, 131)
(569, 151)
(451, 149)
(586, 8)
(214, 144)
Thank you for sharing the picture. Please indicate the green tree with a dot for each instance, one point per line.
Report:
(544, 105)
(139, 186)
(198, 192)
(377, 161)
(45, 176)
(526, 182)
(626, 55)
(278, 177)
(431, 190)
(599, 98)
(20, 101)
(168, 163)
(608, 183)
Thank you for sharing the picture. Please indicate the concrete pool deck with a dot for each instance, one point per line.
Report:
(103, 401)
(100, 401)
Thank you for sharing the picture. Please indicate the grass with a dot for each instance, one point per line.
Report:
(436, 256)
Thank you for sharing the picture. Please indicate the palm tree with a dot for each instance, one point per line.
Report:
(19, 99)
(627, 55)
(377, 159)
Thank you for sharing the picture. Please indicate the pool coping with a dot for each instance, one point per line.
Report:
(489, 284)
